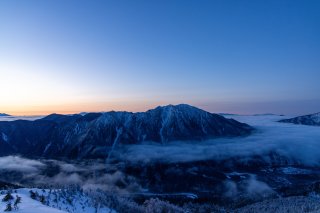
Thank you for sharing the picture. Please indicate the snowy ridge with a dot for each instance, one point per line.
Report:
(27, 204)
(312, 120)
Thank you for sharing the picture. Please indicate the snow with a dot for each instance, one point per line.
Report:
(119, 132)
(4, 137)
(47, 147)
(56, 202)
(295, 171)
(316, 117)
(313, 119)
(28, 205)
(166, 115)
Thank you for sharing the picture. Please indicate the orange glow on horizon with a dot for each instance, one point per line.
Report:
(130, 106)
(78, 108)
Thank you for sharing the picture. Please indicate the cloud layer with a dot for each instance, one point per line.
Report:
(14, 118)
(15, 163)
(295, 142)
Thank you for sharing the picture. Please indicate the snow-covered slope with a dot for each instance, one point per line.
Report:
(312, 120)
(27, 204)
(54, 201)
(90, 135)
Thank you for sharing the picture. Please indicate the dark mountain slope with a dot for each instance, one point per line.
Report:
(93, 134)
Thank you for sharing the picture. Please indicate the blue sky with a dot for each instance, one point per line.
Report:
(223, 56)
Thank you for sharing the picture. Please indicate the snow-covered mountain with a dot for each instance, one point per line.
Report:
(312, 120)
(90, 135)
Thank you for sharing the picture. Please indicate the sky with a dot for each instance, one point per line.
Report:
(220, 55)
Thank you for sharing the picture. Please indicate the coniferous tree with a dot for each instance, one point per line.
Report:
(16, 202)
(42, 199)
(7, 197)
(8, 208)
(33, 195)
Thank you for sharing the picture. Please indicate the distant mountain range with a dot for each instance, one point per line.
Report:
(91, 135)
(311, 120)
(4, 114)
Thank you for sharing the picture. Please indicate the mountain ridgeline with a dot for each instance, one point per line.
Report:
(92, 135)
(310, 120)
(4, 114)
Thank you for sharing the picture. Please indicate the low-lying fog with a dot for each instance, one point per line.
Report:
(14, 118)
(295, 142)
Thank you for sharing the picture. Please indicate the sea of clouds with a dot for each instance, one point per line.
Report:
(14, 118)
(89, 175)
(298, 143)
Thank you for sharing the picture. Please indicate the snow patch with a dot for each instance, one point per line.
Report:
(4, 137)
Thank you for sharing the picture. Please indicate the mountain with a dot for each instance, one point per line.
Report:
(311, 120)
(94, 134)
(4, 114)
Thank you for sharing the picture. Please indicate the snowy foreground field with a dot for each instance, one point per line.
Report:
(53, 201)
(50, 201)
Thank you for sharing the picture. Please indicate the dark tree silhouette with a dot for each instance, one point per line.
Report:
(16, 202)
(33, 195)
(42, 199)
(7, 197)
(8, 208)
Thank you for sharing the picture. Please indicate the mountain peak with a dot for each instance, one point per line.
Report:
(60, 118)
(180, 108)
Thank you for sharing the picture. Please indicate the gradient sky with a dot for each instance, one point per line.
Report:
(224, 56)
